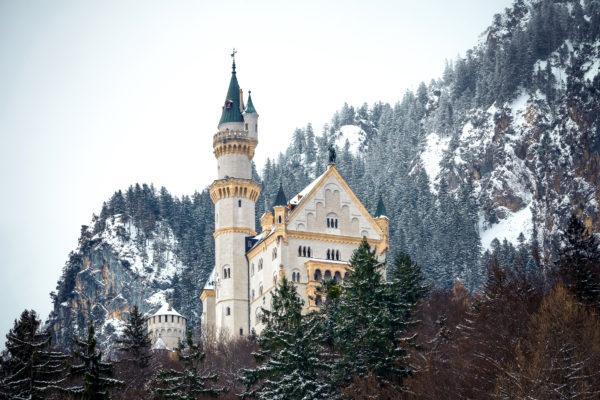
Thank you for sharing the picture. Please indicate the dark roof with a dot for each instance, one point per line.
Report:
(231, 108)
(280, 200)
(380, 212)
(250, 107)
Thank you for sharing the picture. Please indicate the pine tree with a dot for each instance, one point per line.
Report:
(579, 266)
(290, 360)
(95, 373)
(135, 342)
(368, 324)
(187, 384)
(408, 283)
(29, 369)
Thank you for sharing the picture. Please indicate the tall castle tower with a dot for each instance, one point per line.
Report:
(234, 194)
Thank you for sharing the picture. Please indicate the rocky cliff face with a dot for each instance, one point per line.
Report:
(143, 249)
(114, 270)
(533, 155)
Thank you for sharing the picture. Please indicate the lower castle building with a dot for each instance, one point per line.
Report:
(306, 238)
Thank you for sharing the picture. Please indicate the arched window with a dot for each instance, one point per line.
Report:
(327, 275)
(252, 269)
(328, 254)
(304, 251)
(293, 277)
(280, 219)
(299, 251)
(228, 311)
(336, 223)
(309, 252)
(337, 276)
(318, 301)
(260, 289)
(337, 255)
(260, 264)
(274, 279)
(318, 275)
(226, 272)
(239, 203)
(274, 253)
(328, 223)
(253, 294)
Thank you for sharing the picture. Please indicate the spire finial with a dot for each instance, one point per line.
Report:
(233, 57)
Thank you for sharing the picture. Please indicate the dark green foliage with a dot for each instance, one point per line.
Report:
(291, 359)
(189, 383)
(95, 374)
(370, 320)
(579, 265)
(29, 369)
(408, 283)
(135, 342)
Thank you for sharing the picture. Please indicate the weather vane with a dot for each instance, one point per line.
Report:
(233, 54)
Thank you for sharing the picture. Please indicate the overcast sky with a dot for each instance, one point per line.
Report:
(98, 95)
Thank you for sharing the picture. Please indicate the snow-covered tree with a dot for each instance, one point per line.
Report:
(135, 342)
(95, 374)
(189, 383)
(30, 370)
(290, 358)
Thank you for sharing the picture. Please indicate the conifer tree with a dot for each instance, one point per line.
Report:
(368, 325)
(95, 373)
(290, 363)
(29, 369)
(135, 342)
(187, 384)
(580, 262)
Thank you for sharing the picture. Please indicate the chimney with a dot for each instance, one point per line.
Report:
(170, 305)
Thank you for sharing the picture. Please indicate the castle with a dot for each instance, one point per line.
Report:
(306, 239)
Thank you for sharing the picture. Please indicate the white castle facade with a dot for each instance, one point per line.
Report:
(306, 239)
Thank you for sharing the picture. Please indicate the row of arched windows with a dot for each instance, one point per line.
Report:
(332, 222)
(274, 253)
(304, 251)
(318, 276)
(333, 254)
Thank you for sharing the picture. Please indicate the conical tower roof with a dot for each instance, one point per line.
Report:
(232, 109)
(250, 107)
(280, 200)
(380, 212)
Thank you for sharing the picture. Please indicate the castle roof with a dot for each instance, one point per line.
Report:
(294, 201)
(280, 198)
(380, 212)
(232, 109)
(250, 107)
(166, 309)
(159, 345)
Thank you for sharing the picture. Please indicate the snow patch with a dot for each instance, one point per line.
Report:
(508, 228)
(354, 134)
(431, 157)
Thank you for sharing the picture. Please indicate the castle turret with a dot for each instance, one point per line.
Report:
(234, 194)
(166, 327)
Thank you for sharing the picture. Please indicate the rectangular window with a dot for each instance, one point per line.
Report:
(172, 318)
(241, 331)
(159, 319)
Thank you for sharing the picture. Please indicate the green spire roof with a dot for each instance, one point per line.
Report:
(250, 107)
(231, 108)
(280, 200)
(380, 212)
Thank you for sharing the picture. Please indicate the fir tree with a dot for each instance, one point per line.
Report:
(29, 369)
(367, 327)
(187, 384)
(290, 363)
(135, 342)
(95, 373)
(579, 266)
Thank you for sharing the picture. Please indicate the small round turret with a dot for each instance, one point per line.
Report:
(167, 325)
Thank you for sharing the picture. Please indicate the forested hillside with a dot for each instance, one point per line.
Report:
(505, 144)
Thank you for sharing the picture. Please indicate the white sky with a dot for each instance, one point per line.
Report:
(98, 95)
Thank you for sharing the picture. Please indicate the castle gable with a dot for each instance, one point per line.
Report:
(329, 206)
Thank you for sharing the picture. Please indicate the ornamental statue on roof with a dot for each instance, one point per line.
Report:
(332, 154)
